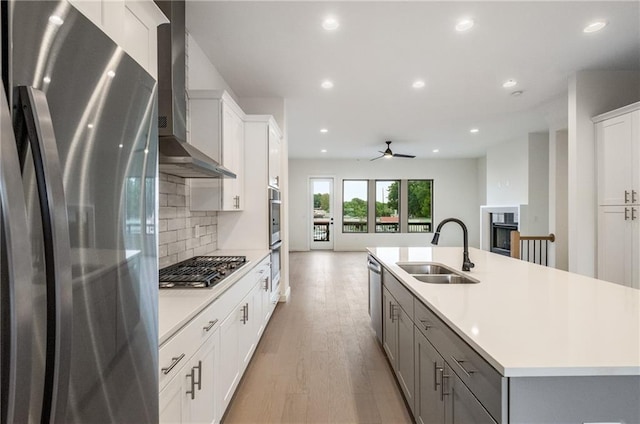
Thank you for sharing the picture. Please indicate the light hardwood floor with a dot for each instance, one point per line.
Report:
(318, 360)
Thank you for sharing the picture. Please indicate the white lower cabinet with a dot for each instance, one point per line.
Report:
(188, 398)
(230, 331)
(197, 388)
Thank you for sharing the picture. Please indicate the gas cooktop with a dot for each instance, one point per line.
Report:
(200, 271)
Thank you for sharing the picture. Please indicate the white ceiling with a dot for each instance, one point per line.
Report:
(279, 49)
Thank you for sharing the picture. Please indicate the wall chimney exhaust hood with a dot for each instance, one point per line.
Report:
(176, 156)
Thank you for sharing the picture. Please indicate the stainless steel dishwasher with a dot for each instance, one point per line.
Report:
(375, 295)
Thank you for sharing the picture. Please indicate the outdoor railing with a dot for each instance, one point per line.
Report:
(320, 231)
(354, 227)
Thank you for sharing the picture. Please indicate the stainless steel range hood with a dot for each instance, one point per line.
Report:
(176, 156)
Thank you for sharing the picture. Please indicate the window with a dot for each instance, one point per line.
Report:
(387, 206)
(354, 206)
(400, 206)
(419, 199)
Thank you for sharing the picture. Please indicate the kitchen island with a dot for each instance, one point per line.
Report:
(551, 346)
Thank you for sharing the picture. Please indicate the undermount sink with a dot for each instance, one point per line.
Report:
(424, 268)
(428, 272)
(445, 279)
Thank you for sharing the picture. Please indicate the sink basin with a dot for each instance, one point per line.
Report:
(424, 268)
(445, 279)
(429, 272)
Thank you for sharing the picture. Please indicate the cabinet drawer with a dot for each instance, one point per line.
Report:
(482, 379)
(178, 349)
(398, 291)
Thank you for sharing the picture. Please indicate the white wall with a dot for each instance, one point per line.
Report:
(590, 93)
(482, 180)
(508, 173)
(538, 181)
(455, 194)
(201, 74)
(558, 199)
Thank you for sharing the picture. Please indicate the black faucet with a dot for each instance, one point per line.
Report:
(466, 262)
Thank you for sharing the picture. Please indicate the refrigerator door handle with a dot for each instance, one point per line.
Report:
(36, 120)
(15, 250)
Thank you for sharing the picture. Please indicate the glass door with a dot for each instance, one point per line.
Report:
(321, 204)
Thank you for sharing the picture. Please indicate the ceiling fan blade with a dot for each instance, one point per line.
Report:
(370, 160)
(400, 155)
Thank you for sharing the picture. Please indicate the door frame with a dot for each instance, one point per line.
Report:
(330, 244)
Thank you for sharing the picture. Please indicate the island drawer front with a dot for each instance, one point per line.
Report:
(399, 292)
(180, 347)
(487, 384)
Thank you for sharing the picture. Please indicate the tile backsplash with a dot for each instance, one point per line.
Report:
(182, 233)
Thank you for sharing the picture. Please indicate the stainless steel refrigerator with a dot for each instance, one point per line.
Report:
(78, 167)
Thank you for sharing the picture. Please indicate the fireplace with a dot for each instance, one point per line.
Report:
(501, 226)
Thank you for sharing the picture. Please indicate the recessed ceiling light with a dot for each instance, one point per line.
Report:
(474, 130)
(56, 20)
(323, 151)
(517, 93)
(330, 24)
(436, 150)
(46, 80)
(146, 150)
(324, 130)
(120, 146)
(111, 74)
(418, 84)
(326, 84)
(510, 83)
(595, 26)
(464, 25)
(90, 126)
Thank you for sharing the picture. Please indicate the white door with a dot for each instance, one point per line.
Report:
(321, 206)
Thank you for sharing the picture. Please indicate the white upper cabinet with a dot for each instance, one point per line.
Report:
(132, 24)
(618, 152)
(216, 127)
(274, 155)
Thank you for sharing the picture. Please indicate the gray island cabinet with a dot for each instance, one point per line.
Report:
(446, 350)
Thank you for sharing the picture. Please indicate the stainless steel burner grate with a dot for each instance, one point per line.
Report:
(200, 271)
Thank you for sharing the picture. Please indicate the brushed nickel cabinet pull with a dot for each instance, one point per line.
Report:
(459, 362)
(633, 196)
(633, 213)
(442, 378)
(174, 362)
(192, 376)
(211, 324)
(626, 196)
(626, 214)
(426, 324)
(199, 382)
(436, 369)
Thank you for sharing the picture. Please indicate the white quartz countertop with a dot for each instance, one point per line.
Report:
(176, 307)
(527, 319)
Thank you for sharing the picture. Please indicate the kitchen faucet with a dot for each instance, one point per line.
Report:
(466, 262)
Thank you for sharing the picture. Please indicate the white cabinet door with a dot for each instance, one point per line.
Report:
(216, 127)
(618, 141)
(617, 235)
(274, 157)
(249, 327)
(203, 407)
(232, 158)
(229, 356)
(173, 402)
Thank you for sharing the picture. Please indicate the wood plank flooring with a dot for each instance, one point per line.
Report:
(319, 360)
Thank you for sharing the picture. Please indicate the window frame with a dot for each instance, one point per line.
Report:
(430, 224)
(367, 217)
(375, 212)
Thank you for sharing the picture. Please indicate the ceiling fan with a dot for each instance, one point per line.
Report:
(389, 154)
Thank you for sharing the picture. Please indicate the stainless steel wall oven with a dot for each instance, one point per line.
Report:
(275, 242)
